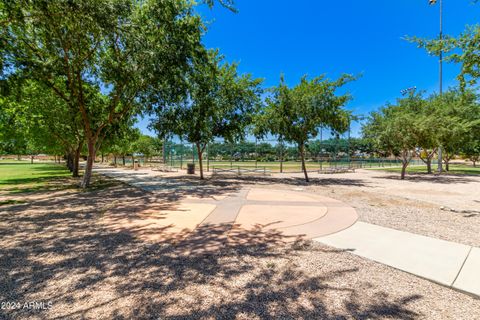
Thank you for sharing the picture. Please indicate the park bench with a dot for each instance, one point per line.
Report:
(333, 170)
(164, 168)
(241, 170)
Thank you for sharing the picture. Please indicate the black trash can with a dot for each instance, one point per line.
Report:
(190, 168)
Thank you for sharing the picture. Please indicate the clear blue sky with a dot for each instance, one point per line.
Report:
(270, 37)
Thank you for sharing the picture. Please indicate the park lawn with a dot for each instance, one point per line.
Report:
(454, 169)
(22, 176)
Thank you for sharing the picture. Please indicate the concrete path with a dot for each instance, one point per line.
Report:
(448, 263)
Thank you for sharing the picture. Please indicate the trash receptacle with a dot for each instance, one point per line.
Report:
(190, 168)
(135, 165)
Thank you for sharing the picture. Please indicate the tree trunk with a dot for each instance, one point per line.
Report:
(281, 157)
(404, 169)
(70, 161)
(301, 150)
(31, 159)
(102, 157)
(406, 157)
(474, 163)
(200, 163)
(76, 162)
(123, 160)
(429, 165)
(115, 160)
(133, 161)
(446, 160)
(89, 166)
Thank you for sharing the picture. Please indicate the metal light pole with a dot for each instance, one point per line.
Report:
(440, 72)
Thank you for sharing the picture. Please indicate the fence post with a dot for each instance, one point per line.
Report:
(281, 156)
(231, 156)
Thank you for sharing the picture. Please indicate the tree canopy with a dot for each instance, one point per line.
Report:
(296, 114)
(415, 125)
(219, 103)
(134, 52)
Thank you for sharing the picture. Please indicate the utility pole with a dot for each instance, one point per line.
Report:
(440, 72)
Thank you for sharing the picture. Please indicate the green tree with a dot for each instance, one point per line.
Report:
(136, 52)
(423, 130)
(462, 49)
(122, 143)
(219, 104)
(13, 139)
(471, 150)
(391, 129)
(296, 114)
(146, 146)
(456, 117)
(49, 123)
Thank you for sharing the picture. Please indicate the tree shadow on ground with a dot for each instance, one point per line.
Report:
(60, 250)
(289, 180)
(424, 177)
(178, 187)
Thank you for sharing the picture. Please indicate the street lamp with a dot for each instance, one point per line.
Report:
(440, 71)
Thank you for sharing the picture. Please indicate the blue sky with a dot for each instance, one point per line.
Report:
(316, 37)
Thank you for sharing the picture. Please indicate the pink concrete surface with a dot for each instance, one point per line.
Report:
(295, 213)
(275, 217)
(278, 195)
(162, 224)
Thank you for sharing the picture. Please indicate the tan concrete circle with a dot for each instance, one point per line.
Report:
(294, 213)
(289, 213)
(275, 217)
(278, 195)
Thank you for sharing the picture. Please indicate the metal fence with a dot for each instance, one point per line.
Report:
(272, 155)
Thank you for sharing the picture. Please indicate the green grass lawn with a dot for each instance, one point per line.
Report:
(454, 169)
(21, 176)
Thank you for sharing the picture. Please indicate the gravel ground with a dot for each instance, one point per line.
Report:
(58, 250)
(413, 216)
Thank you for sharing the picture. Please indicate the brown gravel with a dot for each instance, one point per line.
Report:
(59, 250)
(413, 216)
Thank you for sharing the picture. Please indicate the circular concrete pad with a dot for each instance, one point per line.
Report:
(294, 213)
(289, 214)
(274, 217)
(278, 195)
(162, 224)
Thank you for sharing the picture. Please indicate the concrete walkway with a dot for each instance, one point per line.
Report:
(448, 263)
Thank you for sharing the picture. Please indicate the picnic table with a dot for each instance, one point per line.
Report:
(164, 168)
